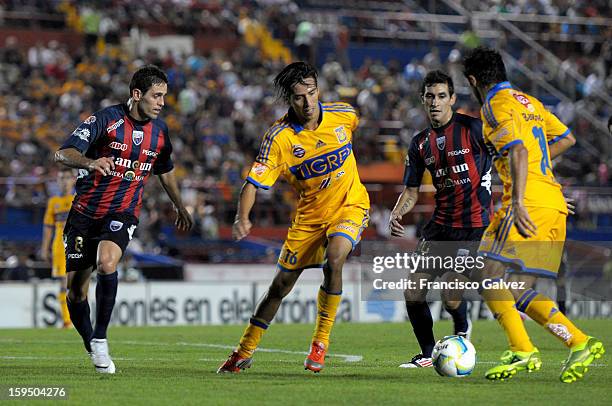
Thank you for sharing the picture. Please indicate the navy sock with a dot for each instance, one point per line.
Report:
(422, 325)
(106, 292)
(79, 314)
(459, 316)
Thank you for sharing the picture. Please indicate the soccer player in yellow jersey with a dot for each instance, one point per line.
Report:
(527, 233)
(52, 248)
(311, 147)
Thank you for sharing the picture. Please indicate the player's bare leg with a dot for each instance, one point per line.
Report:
(543, 310)
(108, 256)
(241, 358)
(62, 298)
(328, 300)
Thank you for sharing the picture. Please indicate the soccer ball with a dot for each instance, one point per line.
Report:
(454, 356)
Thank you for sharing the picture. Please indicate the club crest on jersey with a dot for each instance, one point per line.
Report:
(298, 151)
(441, 142)
(341, 134)
(115, 225)
(82, 133)
(137, 137)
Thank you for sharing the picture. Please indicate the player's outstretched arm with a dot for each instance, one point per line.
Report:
(183, 222)
(561, 146)
(405, 203)
(518, 170)
(73, 158)
(242, 224)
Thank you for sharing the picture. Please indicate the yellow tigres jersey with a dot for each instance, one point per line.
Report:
(512, 117)
(56, 214)
(319, 164)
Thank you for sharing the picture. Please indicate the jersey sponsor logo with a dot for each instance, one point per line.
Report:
(341, 134)
(90, 120)
(459, 152)
(118, 145)
(115, 226)
(298, 151)
(521, 98)
(128, 175)
(149, 153)
(82, 133)
(441, 142)
(128, 163)
(430, 160)
(259, 169)
(75, 256)
(455, 169)
(115, 126)
(532, 117)
(137, 137)
(323, 164)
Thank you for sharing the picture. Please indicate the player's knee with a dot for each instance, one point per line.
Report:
(279, 289)
(414, 297)
(106, 264)
(76, 295)
(335, 262)
(451, 304)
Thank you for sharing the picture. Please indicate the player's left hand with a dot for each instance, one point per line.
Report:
(525, 226)
(397, 230)
(571, 204)
(183, 222)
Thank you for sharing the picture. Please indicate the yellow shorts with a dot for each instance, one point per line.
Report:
(305, 244)
(539, 255)
(58, 261)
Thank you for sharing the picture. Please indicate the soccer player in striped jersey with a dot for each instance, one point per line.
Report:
(452, 149)
(311, 147)
(526, 235)
(116, 150)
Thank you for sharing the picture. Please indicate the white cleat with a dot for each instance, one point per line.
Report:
(100, 357)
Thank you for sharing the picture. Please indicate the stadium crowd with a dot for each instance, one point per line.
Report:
(218, 107)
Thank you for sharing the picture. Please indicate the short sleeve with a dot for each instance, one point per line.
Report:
(555, 129)
(415, 167)
(164, 163)
(268, 165)
(49, 219)
(499, 117)
(85, 134)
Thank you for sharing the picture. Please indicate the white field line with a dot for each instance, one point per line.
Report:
(344, 357)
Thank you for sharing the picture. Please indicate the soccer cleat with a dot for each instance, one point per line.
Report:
(234, 364)
(513, 362)
(580, 358)
(315, 361)
(418, 361)
(466, 334)
(100, 357)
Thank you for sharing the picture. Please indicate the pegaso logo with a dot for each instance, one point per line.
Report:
(150, 153)
(128, 163)
(459, 152)
(118, 145)
(114, 126)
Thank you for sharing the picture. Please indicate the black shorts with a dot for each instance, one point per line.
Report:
(438, 240)
(82, 235)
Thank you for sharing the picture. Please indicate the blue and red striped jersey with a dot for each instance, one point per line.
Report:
(460, 166)
(138, 149)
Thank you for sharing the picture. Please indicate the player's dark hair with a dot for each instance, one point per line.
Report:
(435, 77)
(290, 76)
(147, 76)
(486, 65)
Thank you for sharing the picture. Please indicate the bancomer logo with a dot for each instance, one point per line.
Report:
(128, 163)
(322, 164)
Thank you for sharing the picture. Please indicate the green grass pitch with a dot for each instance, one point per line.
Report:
(176, 365)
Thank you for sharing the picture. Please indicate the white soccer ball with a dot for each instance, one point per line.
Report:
(454, 356)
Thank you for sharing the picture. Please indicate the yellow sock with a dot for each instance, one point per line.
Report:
(544, 311)
(501, 303)
(327, 305)
(64, 307)
(251, 337)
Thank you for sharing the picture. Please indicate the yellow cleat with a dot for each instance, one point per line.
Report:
(580, 358)
(513, 362)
